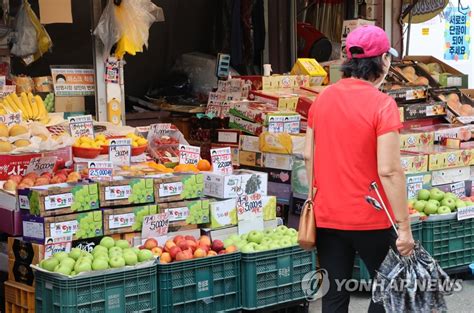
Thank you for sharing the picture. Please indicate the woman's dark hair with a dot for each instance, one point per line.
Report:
(364, 68)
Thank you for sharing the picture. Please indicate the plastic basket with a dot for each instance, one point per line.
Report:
(209, 284)
(450, 242)
(274, 277)
(130, 290)
(20, 295)
(361, 272)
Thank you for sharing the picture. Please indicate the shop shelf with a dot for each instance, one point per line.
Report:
(273, 277)
(209, 284)
(450, 242)
(20, 295)
(361, 272)
(127, 290)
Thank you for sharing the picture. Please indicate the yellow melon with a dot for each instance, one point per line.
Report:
(22, 143)
(5, 146)
(3, 130)
(17, 130)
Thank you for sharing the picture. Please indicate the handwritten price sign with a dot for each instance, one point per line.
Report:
(100, 170)
(189, 154)
(222, 161)
(120, 151)
(155, 225)
(81, 126)
(10, 119)
(250, 213)
(41, 165)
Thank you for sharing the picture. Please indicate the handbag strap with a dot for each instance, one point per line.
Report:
(312, 191)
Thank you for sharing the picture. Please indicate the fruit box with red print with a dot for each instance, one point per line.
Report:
(440, 157)
(415, 138)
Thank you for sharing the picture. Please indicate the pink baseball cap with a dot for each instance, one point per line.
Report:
(372, 40)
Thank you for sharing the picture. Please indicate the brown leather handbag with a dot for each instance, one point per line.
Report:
(307, 226)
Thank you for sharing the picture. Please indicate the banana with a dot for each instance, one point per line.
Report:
(34, 106)
(19, 104)
(12, 103)
(41, 108)
(27, 105)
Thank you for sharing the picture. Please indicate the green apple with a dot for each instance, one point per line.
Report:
(99, 248)
(122, 244)
(130, 258)
(285, 242)
(101, 254)
(444, 210)
(291, 232)
(73, 273)
(449, 202)
(255, 236)
(85, 254)
(228, 242)
(450, 195)
(82, 267)
(436, 202)
(267, 232)
(468, 203)
(107, 242)
(65, 270)
(431, 208)
(118, 261)
(144, 255)
(129, 250)
(436, 194)
(266, 240)
(100, 264)
(249, 248)
(75, 253)
(115, 250)
(274, 245)
(136, 250)
(294, 240)
(68, 262)
(281, 229)
(460, 204)
(422, 214)
(50, 263)
(234, 237)
(420, 205)
(84, 260)
(240, 244)
(244, 237)
(261, 247)
(60, 255)
(423, 194)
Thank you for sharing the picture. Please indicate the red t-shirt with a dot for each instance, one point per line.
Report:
(347, 118)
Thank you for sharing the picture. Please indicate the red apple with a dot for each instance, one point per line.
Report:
(205, 240)
(190, 238)
(183, 244)
(204, 247)
(165, 258)
(199, 253)
(192, 244)
(189, 253)
(174, 251)
(178, 239)
(217, 245)
(222, 252)
(150, 243)
(211, 253)
(168, 245)
(31, 175)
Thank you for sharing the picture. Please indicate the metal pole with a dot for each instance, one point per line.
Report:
(293, 36)
(99, 65)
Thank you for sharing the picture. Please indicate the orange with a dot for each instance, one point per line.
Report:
(180, 168)
(204, 165)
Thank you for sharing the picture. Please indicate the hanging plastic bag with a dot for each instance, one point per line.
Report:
(107, 29)
(25, 43)
(42, 37)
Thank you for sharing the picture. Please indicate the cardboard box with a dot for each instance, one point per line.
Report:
(126, 191)
(266, 160)
(20, 272)
(416, 182)
(414, 163)
(126, 220)
(247, 127)
(26, 252)
(280, 99)
(455, 77)
(276, 81)
(415, 138)
(15, 164)
(423, 110)
(282, 143)
(451, 176)
(461, 189)
(178, 187)
(249, 143)
(274, 175)
(228, 136)
(311, 68)
(69, 104)
(448, 131)
(411, 94)
(78, 225)
(190, 212)
(58, 199)
(440, 157)
(230, 186)
(222, 214)
(401, 111)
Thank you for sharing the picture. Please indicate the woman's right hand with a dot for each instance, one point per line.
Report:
(405, 242)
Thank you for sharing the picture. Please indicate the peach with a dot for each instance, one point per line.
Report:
(191, 244)
(41, 181)
(178, 239)
(10, 185)
(16, 178)
(204, 247)
(150, 243)
(31, 175)
(169, 244)
(222, 252)
(157, 251)
(205, 240)
(174, 251)
(230, 249)
(183, 255)
(190, 238)
(183, 244)
(211, 253)
(165, 257)
(200, 253)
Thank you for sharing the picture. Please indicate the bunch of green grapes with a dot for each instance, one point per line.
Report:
(34, 203)
(269, 209)
(142, 191)
(85, 198)
(233, 216)
(90, 225)
(198, 212)
(191, 188)
(140, 213)
(49, 102)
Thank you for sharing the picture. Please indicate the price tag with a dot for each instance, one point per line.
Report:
(459, 189)
(189, 154)
(64, 228)
(160, 129)
(465, 213)
(120, 151)
(170, 189)
(100, 170)
(155, 225)
(10, 119)
(414, 184)
(59, 201)
(54, 245)
(178, 214)
(250, 212)
(81, 126)
(41, 165)
(222, 161)
(117, 192)
(121, 220)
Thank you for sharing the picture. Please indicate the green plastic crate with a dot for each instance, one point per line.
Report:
(209, 284)
(361, 272)
(450, 242)
(130, 290)
(274, 277)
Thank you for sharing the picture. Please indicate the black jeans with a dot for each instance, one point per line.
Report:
(336, 251)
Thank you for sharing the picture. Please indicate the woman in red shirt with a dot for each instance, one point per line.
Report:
(354, 131)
